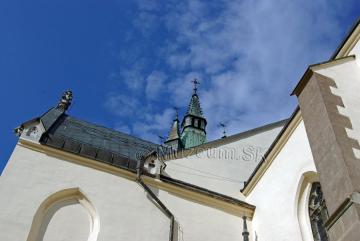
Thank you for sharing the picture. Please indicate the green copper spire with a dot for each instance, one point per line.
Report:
(194, 106)
(194, 122)
(173, 140)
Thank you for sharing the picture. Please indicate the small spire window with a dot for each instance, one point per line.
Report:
(196, 123)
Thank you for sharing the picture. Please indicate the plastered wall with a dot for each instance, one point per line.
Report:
(277, 192)
(224, 168)
(124, 210)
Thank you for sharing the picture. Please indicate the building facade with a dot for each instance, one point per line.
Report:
(296, 179)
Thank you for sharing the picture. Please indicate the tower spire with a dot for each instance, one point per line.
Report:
(194, 122)
(173, 139)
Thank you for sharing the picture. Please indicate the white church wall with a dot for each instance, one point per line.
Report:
(198, 222)
(224, 168)
(30, 177)
(64, 219)
(120, 207)
(276, 195)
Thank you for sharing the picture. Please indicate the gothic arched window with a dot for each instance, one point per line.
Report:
(65, 215)
(318, 213)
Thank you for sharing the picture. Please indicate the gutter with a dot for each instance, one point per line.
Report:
(157, 200)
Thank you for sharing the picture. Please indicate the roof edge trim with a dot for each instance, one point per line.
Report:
(272, 152)
(222, 141)
(191, 193)
(347, 44)
(314, 67)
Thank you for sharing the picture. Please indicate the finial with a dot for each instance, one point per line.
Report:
(196, 83)
(224, 129)
(65, 100)
(176, 112)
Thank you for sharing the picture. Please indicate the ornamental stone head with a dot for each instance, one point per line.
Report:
(65, 100)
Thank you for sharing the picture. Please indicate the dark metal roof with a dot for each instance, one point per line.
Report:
(50, 117)
(93, 141)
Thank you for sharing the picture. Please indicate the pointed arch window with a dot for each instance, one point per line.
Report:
(318, 213)
(54, 213)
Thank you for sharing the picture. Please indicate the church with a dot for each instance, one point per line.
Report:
(293, 180)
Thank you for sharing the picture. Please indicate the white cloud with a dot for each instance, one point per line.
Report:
(252, 53)
(155, 125)
(247, 54)
(154, 84)
(122, 105)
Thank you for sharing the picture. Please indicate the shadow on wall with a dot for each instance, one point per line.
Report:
(57, 201)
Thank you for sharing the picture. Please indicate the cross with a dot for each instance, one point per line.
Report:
(224, 128)
(196, 83)
(176, 111)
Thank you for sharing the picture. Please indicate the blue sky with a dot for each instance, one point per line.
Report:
(129, 62)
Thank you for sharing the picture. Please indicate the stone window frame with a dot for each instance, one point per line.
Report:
(302, 202)
(55, 202)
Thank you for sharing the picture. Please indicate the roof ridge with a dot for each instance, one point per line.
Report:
(223, 141)
(256, 129)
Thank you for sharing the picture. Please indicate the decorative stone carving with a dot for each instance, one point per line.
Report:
(65, 100)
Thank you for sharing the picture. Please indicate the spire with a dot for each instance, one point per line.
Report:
(194, 123)
(173, 139)
(194, 107)
(174, 131)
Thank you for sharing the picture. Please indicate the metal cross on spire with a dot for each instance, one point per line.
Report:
(196, 83)
(223, 125)
(176, 112)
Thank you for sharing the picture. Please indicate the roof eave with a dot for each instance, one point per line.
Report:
(310, 70)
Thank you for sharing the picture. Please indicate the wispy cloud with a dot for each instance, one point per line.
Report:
(154, 84)
(247, 54)
(123, 105)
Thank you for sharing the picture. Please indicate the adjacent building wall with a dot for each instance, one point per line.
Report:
(223, 168)
(277, 194)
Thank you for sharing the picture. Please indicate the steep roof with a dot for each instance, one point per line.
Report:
(194, 107)
(93, 141)
(174, 132)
